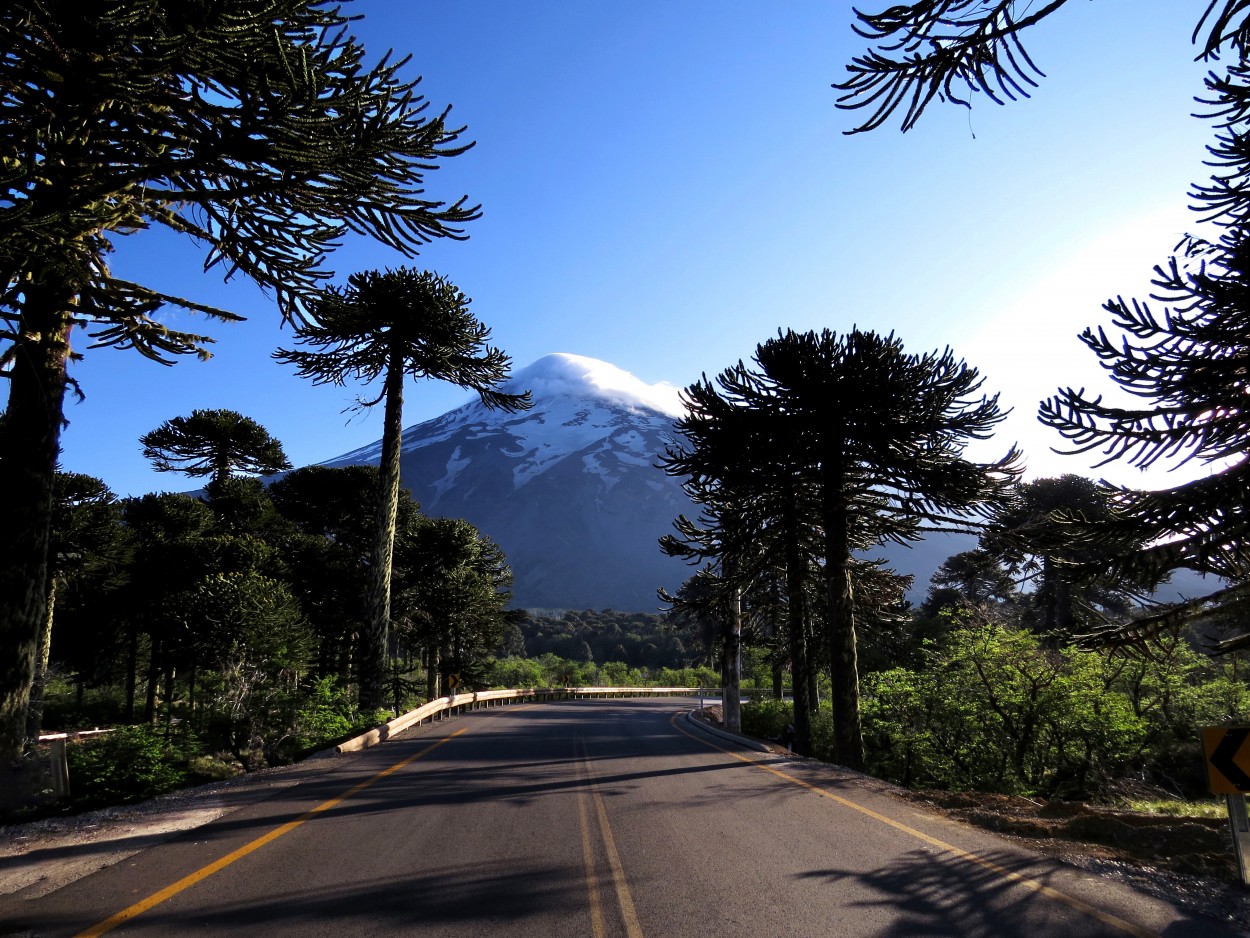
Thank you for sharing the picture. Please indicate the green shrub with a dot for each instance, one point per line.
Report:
(132, 763)
(992, 709)
(325, 715)
(213, 768)
(766, 718)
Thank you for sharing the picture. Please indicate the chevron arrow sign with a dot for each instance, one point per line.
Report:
(1228, 759)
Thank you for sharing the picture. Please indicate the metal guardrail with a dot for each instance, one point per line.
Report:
(435, 709)
(59, 763)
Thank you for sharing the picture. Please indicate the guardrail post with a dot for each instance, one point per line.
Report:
(60, 768)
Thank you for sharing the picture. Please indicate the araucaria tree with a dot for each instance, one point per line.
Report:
(259, 130)
(953, 50)
(1181, 359)
(213, 443)
(867, 436)
(1186, 363)
(391, 325)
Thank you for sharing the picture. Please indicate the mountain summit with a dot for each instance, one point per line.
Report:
(569, 489)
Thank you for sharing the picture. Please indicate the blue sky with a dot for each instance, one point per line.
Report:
(665, 183)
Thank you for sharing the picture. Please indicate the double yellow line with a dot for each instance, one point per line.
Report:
(590, 801)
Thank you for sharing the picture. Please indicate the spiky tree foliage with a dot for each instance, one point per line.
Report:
(454, 586)
(256, 128)
(1184, 361)
(88, 542)
(974, 577)
(757, 509)
(334, 511)
(1074, 587)
(951, 50)
(852, 439)
(213, 443)
(882, 434)
(714, 594)
(1183, 366)
(159, 525)
(392, 325)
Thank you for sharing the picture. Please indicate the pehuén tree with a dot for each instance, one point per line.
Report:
(257, 129)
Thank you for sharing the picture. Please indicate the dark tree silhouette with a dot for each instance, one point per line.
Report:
(882, 433)
(334, 510)
(757, 512)
(1034, 534)
(391, 325)
(455, 586)
(213, 443)
(953, 50)
(259, 130)
(87, 537)
(1185, 362)
(1183, 367)
(971, 576)
(860, 442)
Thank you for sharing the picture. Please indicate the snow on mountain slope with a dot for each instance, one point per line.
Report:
(569, 489)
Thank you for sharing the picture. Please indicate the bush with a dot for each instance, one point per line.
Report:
(132, 763)
(326, 715)
(992, 709)
(767, 718)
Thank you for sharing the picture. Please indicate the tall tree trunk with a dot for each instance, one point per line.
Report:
(31, 443)
(813, 672)
(796, 626)
(132, 670)
(34, 716)
(378, 606)
(731, 674)
(170, 673)
(848, 738)
(431, 673)
(154, 673)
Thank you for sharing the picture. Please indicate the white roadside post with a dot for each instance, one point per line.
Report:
(60, 768)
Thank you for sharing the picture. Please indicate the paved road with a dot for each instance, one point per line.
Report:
(596, 818)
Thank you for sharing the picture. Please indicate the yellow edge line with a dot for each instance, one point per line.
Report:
(1041, 888)
(203, 873)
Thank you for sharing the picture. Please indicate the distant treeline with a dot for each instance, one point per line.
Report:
(638, 639)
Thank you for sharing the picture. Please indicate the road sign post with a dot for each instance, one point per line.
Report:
(1228, 773)
(1239, 822)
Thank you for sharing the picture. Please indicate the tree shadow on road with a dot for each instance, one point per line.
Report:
(938, 894)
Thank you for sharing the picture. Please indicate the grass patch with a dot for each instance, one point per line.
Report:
(1172, 807)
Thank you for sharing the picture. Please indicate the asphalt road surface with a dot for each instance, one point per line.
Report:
(596, 818)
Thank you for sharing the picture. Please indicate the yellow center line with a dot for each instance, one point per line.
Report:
(201, 874)
(629, 915)
(588, 858)
(1041, 888)
(632, 928)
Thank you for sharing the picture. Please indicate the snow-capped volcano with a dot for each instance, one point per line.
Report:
(569, 489)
